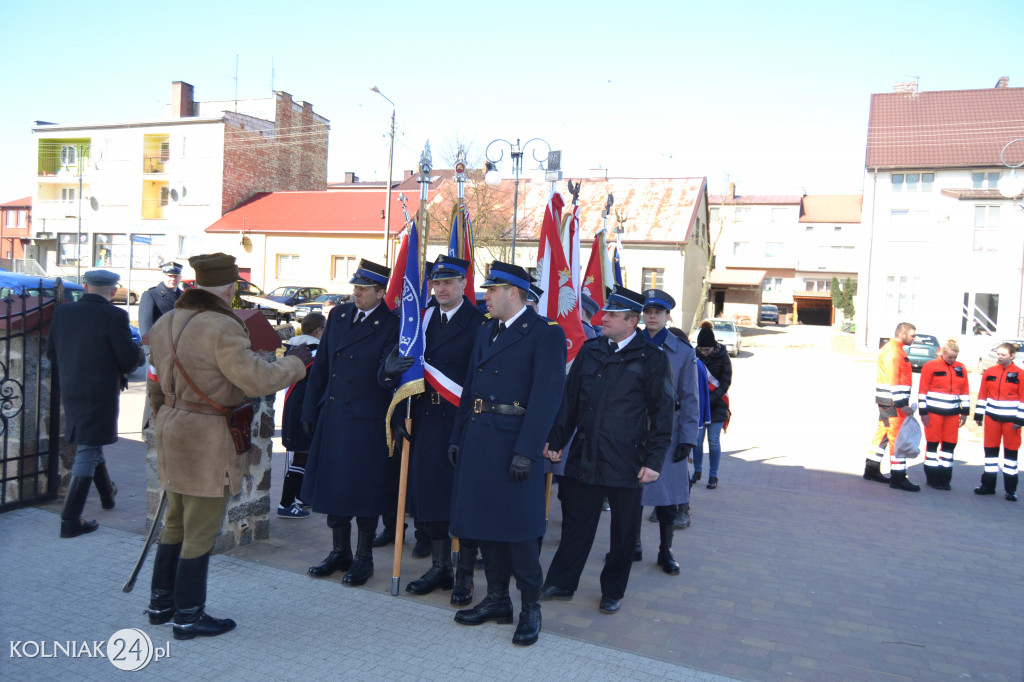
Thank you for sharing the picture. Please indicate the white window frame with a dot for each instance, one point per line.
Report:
(288, 266)
(902, 182)
(985, 180)
(986, 234)
(350, 267)
(69, 155)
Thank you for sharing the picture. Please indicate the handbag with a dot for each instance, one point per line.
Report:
(239, 417)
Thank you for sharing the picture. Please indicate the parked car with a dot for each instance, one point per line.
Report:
(243, 287)
(769, 314)
(989, 358)
(287, 298)
(924, 348)
(727, 334)
(122, 292)
(13, 283)
(317, 305)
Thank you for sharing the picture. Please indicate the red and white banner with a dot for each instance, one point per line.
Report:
(593, 279)
(559, 302)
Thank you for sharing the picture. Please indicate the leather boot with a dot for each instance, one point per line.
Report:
(682, 521)
(362, 567)
(695, 477)
(422, 548)
(988, 484)
(161, 593)
(947, 475)
(71, 522)
(104, 486)
(933, 477)
(387, 536)
(665, 559)
(340, 558)
(439, 576)
(528, 629)
(899, 481)
(190, 620)
(873, 472)
(462, 593)
(496, 606)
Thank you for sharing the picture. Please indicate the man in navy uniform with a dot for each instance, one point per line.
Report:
(450, 327)
(90, 348)
(160, 299)
(348, 472)
(620, 402)
(509, 401)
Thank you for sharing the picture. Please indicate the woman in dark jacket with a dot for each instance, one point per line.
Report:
(719, 368)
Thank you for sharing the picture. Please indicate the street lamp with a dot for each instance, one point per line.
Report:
(493, 177)
(391, 161)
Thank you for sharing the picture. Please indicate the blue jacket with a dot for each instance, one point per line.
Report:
(524, 366)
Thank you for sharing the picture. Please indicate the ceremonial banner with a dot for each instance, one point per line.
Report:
(394, 292)
(410, 335)
(461, 246)
(559, 301)
(593, 280)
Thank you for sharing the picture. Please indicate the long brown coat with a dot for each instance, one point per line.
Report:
(195, 452)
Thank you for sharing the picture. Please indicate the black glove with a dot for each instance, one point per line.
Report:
(307, 429)
(395, 364)
(979, 418)
(453, 453)
(682, 452)
(301, 352)
(398, 427)
(519, 469)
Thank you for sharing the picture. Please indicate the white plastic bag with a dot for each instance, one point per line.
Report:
(908, 441)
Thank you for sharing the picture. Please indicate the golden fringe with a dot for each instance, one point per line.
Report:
(405, 391)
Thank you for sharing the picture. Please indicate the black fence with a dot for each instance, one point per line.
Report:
(29, 402)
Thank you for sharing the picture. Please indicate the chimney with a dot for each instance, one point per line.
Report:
(907, 88)
(351, 177)
(1003, 82)
(182, 103)
(732, 190)
(408, 174)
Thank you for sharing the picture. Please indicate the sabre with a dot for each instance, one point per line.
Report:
(149, 543)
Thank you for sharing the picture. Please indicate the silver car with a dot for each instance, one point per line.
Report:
(727, 334)
(989, 357)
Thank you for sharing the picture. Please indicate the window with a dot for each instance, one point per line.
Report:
(68, 155)
(342, 268)
(986, 222)
(820, 285)
(654, 278)
(912, 182)
(809, 228)
(288, 266)
(742, 214)
(899, 295)
(714, 216)
(903, 218)
(148, 252)
(837, 229)
(984, 180)
(67, 194)
(164, 195)
(772, 249)
(772, 284)
(739, 249)
(68, 252)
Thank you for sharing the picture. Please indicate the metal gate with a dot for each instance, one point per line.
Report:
(29, 402)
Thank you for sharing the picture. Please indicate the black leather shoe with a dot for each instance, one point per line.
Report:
(549, 592)
(335, 561)
(528, 629)
(904, 484)
(876, 476)
(1011, 497)
(608, 605)
(496, 608)
(422, 547)
(384, 538)
(984, 491)
(201, 625)
(653, 518)
(439, 576)
(712, 483)
(668, 562)
(361, 571)
(682, 521)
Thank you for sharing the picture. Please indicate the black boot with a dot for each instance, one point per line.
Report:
(947, 475)
(665, 559)
(1010, 485)
(682, 521)
(899, 481)
(462, 593)
(933, 477)
(190, 620)
(873, 472)
(71, 522)
(387, 536)
(422, 548)
(161, 593)
(695, 478)
(496, 606)
(988, 484)
(439, 576)
(529, 619)
(362, 567)
(104, 486)
(340, 558)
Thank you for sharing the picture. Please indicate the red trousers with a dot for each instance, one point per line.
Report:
(996, 431)
(942, 428)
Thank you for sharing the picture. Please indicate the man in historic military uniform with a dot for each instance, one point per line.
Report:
(91, 350)
(159, 299)
(509, 402)
(619, 401)
(450, 326)
(348, 472)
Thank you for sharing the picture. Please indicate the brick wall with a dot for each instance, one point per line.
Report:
(288, 154)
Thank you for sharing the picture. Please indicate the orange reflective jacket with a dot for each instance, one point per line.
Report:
(944, 388)
(892, 388)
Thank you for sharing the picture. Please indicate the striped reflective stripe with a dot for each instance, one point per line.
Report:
(979, 409)
(1002, 408)
(1010, 467)
(940, 403)
(965, 403)
(992, 465)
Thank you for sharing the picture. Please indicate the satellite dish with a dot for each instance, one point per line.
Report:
(94, 202)
(174, 194)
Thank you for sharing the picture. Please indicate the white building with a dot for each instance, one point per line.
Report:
(944, 246)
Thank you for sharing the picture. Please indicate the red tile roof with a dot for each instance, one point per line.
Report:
(973, 194)
(330, 212)
(18, 203)
(946, 129)
(750, 199)
(831, 208)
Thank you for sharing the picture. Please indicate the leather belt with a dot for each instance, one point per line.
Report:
(480, 406)
(198, 408)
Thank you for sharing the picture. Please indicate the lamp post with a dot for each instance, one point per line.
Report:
(391, 161)
(493, 177)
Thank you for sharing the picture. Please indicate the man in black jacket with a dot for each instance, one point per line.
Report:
(619, 398)
(90, 348)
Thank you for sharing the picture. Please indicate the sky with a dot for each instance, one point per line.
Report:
(771, 96)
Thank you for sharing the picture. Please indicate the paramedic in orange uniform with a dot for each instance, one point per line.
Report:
(999, 407)
(892, 395)
(944, 401)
